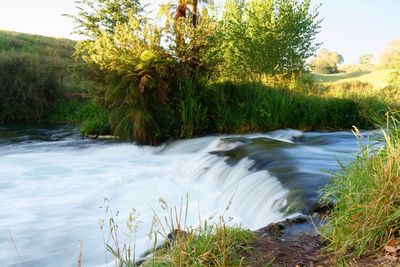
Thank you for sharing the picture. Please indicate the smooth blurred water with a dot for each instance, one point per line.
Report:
(53, 183)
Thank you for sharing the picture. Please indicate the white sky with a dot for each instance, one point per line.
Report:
(350, 27)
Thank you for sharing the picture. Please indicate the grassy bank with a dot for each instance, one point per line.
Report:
(54, 53)
(366, 214)
(254, 107)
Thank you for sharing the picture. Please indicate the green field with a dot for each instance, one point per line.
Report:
(57, 53)
(378, 78)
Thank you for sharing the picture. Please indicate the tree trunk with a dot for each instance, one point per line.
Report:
(195, 15)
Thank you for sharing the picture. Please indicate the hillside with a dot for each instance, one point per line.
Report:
(378, 78)
(56, 53)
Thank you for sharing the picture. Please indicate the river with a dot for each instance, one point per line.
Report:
(54, 183)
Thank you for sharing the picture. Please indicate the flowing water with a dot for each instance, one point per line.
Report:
(53, 185)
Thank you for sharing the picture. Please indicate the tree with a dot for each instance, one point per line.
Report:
(267, 37)
(326, 62)
(367, 59)
(389, 56)
(96, 16)
(190, 34)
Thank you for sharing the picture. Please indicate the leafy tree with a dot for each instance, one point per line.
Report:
(191, 35)
(367, 59)
(326, 62)
(96, 16)
(389, 56)
(268, 37)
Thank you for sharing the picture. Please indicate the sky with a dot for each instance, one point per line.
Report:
(350, 27)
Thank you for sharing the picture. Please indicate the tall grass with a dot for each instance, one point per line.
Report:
(54, 53)
(27, 87)
(366, 215)
(242, 107)
(92, 118)
(213, 244)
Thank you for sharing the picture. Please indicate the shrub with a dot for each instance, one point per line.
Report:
(27, 87)
(392, 95)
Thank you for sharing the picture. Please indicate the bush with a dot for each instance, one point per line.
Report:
(392, 95)
(27, 87)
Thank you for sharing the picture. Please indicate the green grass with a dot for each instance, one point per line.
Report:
(253, 107)
(56, 53)
(377, 78)
(211, 245)
(366, 215)
(92, 118)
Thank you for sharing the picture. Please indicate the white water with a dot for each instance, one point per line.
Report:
(51, 193)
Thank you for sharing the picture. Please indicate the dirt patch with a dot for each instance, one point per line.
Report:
(296, 243)
(300, 251)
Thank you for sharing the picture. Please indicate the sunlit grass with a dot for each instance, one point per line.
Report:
(377, 78)
(366, 215)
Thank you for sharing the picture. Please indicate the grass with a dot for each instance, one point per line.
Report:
(377, 78)
(366, 215)
(206, 245)
(56, 53)
(90, 115)
(243, 107)
(210, 245)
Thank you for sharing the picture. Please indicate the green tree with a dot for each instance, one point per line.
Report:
(268, 37)
(367, 59)
(326, 62)
(96, 16)
(191, 35)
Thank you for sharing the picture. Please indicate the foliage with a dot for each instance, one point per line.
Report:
(92, 118)
(267, 37)
(98, 16)
(367, 59)
(138, 74)
(395, 79)
(27, 87)
(392, 95)
(192, 38)
(366, 214)
(155, 76)
(253, 107)
(389, 57)
(326, 62)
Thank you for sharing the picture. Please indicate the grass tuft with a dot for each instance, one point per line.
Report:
(366, 195)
